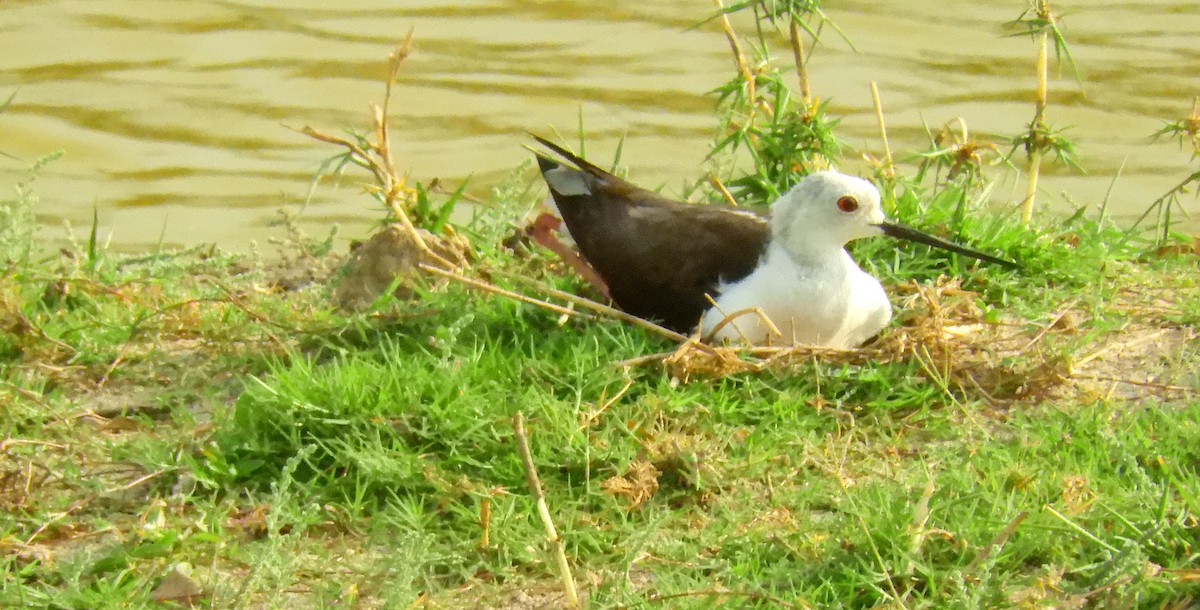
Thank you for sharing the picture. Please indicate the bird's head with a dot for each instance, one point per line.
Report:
(827, 210)
(824, 212)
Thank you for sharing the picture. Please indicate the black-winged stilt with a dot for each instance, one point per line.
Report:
(660, 257)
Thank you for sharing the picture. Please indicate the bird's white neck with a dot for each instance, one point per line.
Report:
(809, 261)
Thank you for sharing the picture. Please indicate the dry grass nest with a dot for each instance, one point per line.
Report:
(941, 326)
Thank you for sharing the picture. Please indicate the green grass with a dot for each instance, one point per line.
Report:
(759, 491)
(295, 456)
(205, 414)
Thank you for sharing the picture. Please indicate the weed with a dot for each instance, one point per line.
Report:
(17, 224)
(1041, 24)
(1187, 132)
(786, 137)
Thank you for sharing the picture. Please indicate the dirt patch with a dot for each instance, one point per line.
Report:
(390, 259)
(1137, 362)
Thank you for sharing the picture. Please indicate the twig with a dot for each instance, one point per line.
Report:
(782, 603)
(768, 352)
(798, 56)
(997, 542)
(728, 359)
(889, 168)
(1144, 384)
(113, 366)
(601, 308)
(720, 186)
(389, 184)
(640, 360)
(137, 481)
(376, 157)
(76, 505)
(485, 521)
(1048, 327)
(24, 320)
(591, 417)
(598, 308)
(8, 442)
(738, 57)
(535, 485)
(729, 317)
(724, 320)
(360, 156)
(991, 400)
(27, 395)
(492, 288)
(394, 60)
(1112, 346)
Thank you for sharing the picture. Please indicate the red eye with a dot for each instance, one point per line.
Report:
(847, 204)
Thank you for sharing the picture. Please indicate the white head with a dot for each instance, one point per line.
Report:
(824, 212)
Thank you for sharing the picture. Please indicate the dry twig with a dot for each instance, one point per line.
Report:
(801, 65)
(492, 288)
(535, 485)
(997, 543)
(889, 168)
(600, 308)
(719, 593)
(376, 157)
(739, 57)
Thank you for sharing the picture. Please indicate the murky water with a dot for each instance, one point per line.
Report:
(172, 114)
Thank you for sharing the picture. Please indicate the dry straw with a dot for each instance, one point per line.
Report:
(376, 157)
(535, 486)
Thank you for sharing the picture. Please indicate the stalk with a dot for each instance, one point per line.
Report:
(889, 168)
(1035, 141)
(798, 55)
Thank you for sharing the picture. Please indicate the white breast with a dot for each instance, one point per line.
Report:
(830, 304)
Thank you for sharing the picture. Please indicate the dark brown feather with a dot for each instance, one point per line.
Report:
(658, 256)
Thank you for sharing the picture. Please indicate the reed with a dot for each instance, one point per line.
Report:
(1187, 132)
(787, 135)
(1039, 139)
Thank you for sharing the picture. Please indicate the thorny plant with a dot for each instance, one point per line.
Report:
(1187, 132)
(1041, 24)
(786, 137)
(799, 16)
(956, 153)
(958, 159)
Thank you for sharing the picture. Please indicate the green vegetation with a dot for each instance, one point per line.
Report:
(1042, 24)
(1187, 132)
(196, 426)
(786, 136)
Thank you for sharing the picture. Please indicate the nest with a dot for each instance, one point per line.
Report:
(942, 327)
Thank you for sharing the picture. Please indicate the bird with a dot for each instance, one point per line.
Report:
(691, 266)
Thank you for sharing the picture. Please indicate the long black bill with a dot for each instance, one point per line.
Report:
(900, 231)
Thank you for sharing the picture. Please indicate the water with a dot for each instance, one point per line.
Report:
(172, 114)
